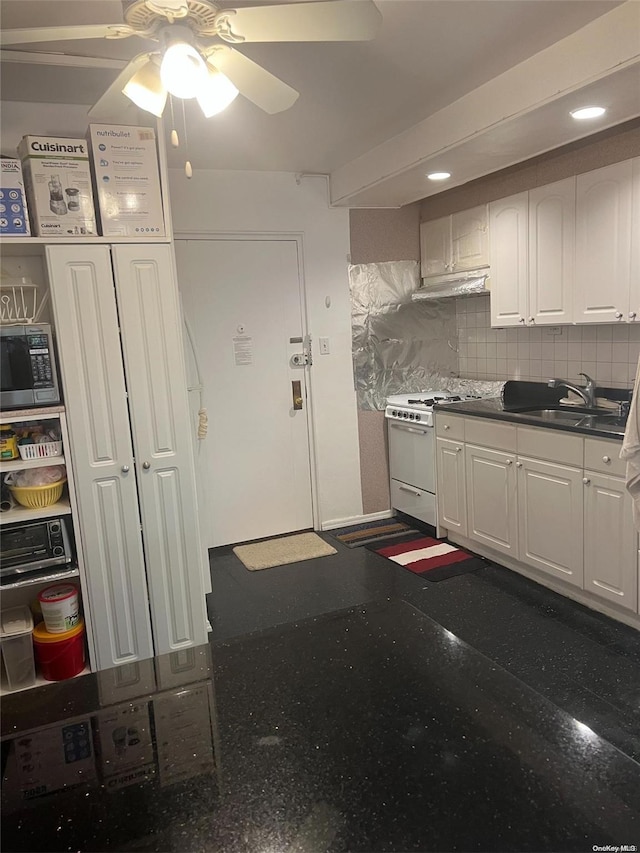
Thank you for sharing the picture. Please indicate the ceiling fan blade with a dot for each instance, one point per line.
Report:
(113, 101)
(253, 81)
(40, 34)
(329, 20)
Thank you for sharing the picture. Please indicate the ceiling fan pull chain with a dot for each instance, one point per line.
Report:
(175, 142)
(187, 166)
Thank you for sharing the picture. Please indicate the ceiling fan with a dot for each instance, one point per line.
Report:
(193, 58)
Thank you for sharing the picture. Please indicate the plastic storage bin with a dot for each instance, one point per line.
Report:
(59, 656)
(16, 627)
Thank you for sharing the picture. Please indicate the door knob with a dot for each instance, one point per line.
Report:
(632, 315)
(518, 464)
(509, 461)
(606, 459)
(586, 481)
(146, 465)
(446, 426)
(521, 320)
(618, 315)
(532, 320)
(125, 469)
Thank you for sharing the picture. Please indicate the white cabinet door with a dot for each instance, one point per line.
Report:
(603, 240)
(156, 380)
(508, 226)
(450, 487)
(81, 286)
(550, 502)
(611, 542)
(551, 252)
(469, 239)
(492, 516)
(435, 247)
(634, 292)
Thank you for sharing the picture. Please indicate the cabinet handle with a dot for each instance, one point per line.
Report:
(125, 469)
(521, 320)
(146, 465)
(458, 449)
(532, 320)
(411, 491)
(606, 459)
(618, 315)
(586, 481)
(508, 461)
(632, 315)
(446, 426)
(518, 464)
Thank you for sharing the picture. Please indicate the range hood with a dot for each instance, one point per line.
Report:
(471, 283)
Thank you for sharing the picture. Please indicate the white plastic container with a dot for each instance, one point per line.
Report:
(16, 627)
(60, 605)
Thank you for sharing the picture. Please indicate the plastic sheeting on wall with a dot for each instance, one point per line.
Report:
(399, 346)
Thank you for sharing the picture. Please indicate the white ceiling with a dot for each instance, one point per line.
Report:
(358, 99)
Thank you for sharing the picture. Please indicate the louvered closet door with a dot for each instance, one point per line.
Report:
(81, 284)
(154, 364)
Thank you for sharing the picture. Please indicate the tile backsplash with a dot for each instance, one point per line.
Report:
(608, 353)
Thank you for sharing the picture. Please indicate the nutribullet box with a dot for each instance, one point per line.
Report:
(127, 179)
(14, 218)
(57, 179)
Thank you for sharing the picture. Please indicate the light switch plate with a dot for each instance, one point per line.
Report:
(323, 343)
(553, 330)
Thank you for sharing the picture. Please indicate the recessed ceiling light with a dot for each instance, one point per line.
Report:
(439, 176)
(588, 112)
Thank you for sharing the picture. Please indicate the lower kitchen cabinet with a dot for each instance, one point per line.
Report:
(492, 516)
(550, 499)
(451, 490)
(610, 541)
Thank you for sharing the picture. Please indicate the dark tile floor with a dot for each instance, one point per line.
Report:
(583, 661)
(343, 705)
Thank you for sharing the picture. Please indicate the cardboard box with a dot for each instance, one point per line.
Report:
(125, 165)
(14, 218)
(57, 177)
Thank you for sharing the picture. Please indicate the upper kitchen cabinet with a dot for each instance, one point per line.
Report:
(508, 221)
(603, 246)
(455, 243)
(532, 254)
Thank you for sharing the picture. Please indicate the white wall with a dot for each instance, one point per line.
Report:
(274, 203)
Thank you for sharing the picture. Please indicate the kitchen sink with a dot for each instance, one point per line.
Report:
(556, 415)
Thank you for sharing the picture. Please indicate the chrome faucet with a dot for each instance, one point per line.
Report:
(588, 392)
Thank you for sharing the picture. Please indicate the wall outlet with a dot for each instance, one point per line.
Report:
(553, 330)
(323, 343)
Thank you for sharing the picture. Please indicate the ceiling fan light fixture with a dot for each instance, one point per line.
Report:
(183, 71)
(217, 92)
(146, 90)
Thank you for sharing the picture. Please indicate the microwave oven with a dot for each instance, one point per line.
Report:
(28, 373)
(33, 546)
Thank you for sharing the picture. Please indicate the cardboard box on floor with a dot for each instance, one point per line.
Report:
(127, 177)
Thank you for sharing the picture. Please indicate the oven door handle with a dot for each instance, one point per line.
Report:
(410, 429)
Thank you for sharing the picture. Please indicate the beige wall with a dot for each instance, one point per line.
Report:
(378, 236)
(610, 146)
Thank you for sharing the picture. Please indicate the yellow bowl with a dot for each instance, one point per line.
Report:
(37, 497)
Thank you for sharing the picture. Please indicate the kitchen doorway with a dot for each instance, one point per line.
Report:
(244, 301)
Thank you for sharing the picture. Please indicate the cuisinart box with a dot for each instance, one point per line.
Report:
(57, 178)
(125, 164)
(13, 204)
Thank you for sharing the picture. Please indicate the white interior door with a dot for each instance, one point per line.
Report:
(243, 301)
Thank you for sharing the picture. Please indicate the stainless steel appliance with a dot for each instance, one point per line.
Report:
(28, 373)
(32, 547)
(412, 459)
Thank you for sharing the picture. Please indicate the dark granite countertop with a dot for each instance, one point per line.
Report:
(521, 400)
(369, 729)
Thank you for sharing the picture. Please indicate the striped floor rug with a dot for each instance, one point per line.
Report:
(371, 531)
(434, 559)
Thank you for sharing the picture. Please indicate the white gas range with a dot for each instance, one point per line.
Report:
(412, 459)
